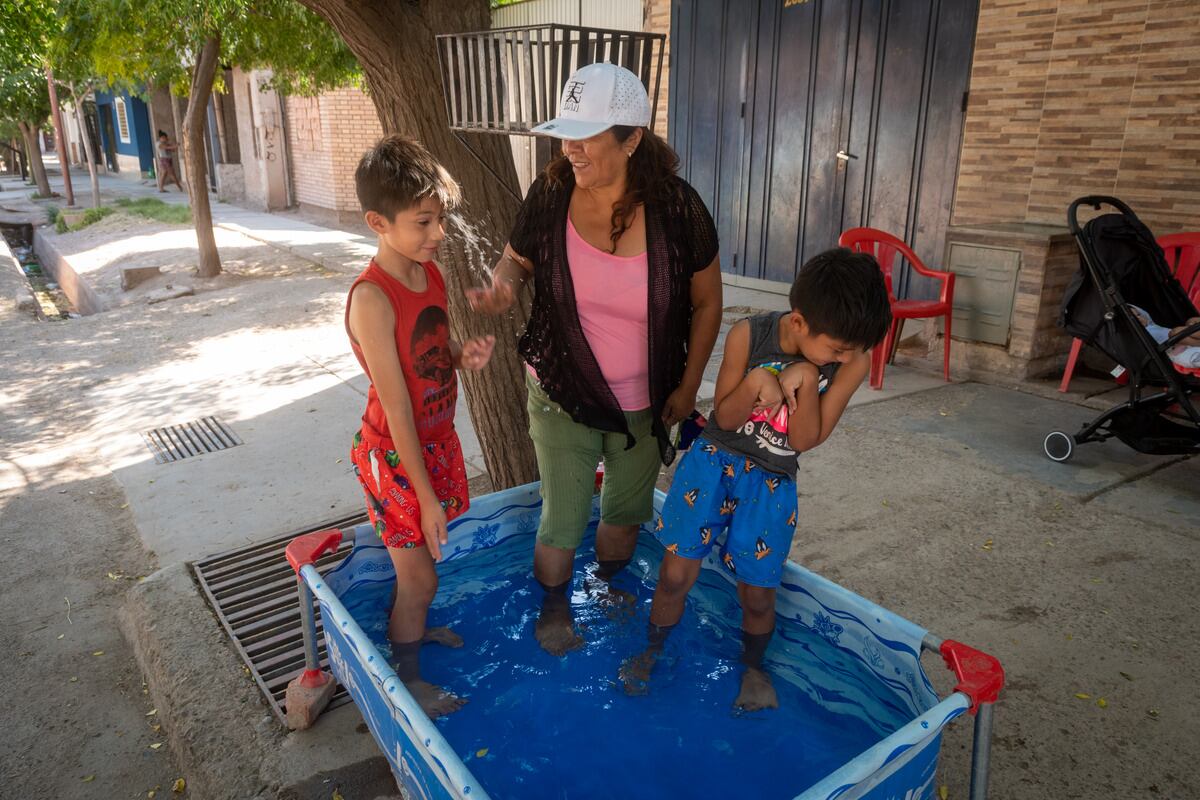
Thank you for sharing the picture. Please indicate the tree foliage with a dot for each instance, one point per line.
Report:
(182, 44)
(25, 31)
(159, 41)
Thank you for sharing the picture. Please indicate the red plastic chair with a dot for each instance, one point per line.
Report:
(1182, 251)
(885, 247)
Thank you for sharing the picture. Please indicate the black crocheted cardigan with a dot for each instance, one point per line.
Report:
(680, 240)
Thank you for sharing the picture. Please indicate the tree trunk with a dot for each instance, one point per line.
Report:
(60, 137)
(394, 43)
(86, 145)
(193, 140)
(30, 134)
(18, 148)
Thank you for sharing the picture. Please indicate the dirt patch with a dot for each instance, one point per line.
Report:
(78, 723)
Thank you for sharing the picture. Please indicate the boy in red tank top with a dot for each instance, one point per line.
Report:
(407, 455)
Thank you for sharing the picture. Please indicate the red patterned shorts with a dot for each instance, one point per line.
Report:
(391, 499)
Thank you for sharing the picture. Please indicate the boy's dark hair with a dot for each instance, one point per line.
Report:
(161, 133)
(842, 294)
(397, 173)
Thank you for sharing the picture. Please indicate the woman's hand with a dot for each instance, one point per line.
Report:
(495, 299)
(679, 405)
(476, 352)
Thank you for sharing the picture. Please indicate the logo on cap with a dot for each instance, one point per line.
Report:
(574, 95)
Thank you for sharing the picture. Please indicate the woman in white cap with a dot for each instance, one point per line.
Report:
(627, 306)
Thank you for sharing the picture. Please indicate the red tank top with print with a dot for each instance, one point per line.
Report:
(423, 346)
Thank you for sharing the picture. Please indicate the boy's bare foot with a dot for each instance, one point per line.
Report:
(434, 700)
(757, 692)
(443, 636)
(555, 628)
(635, 672)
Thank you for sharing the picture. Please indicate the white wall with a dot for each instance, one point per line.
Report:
(260, 140)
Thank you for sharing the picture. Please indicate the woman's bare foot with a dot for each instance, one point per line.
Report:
(443, 636)
(635, 671)
(757, 692)
(555, 627)
(434, 700)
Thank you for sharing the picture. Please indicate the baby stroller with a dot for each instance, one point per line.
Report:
(1121, 265)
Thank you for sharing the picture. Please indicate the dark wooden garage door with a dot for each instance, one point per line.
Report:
(766, 94)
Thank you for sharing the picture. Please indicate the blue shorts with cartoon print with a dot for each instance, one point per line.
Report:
(715, 490)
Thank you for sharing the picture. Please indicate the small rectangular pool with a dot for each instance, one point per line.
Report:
(857, 718)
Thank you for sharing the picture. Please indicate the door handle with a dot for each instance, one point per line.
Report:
(842, 155)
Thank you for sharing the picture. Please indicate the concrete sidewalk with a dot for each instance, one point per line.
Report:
(337, 250)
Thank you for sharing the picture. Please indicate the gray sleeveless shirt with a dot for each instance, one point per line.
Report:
(765, 441)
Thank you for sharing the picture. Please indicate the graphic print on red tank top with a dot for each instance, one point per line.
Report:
(423, 349)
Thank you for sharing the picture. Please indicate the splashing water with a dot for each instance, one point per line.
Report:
(481, 252)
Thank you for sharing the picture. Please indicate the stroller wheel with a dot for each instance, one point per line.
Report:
(1058, 446)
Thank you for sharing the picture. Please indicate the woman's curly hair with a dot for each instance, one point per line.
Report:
(650, 177)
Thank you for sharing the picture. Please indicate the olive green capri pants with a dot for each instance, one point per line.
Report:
(567, 454)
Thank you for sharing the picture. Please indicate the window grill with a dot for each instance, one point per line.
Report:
(507, 80)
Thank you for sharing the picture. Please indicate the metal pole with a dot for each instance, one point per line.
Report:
(308, 625)
(64, 158)
(981, 756)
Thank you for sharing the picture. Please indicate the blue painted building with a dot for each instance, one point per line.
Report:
(125, 134)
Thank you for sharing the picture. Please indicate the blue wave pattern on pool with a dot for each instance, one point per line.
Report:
(544, 727)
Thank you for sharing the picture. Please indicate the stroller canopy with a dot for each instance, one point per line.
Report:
(1121, 264)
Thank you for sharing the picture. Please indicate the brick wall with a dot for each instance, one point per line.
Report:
(658, 20)
(1070, 97)
(327, 135)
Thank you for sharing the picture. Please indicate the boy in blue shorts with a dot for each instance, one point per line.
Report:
(784, 382)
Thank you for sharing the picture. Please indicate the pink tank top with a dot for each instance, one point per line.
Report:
(611, 295)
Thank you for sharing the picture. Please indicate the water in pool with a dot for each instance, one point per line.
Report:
(538, 727)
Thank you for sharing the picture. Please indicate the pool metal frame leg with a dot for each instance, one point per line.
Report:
(310, 692)
(981, 752)
(308, 626)
(980, 678)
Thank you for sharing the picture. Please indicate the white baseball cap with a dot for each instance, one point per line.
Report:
(594, 99)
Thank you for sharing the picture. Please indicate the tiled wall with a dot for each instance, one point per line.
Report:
(327, 135)
(1070, 97)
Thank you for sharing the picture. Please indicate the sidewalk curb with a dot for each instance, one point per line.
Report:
(228, 743)
(58, 267)
(216, 725)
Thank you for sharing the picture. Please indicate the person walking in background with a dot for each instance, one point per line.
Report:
(164, 153)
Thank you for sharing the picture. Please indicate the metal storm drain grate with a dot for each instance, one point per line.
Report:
(253, 592)
(177, 442)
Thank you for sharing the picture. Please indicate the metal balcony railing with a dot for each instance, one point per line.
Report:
(508, 80)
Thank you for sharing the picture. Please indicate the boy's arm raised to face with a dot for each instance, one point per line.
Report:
(373, 323)
(828, 408)
(738, 395)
